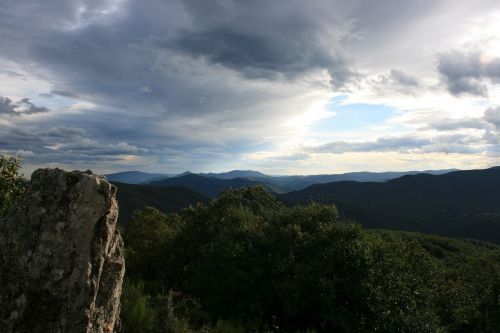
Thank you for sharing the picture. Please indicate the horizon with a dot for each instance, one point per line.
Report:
(284, 87)
(26, 173)
(206, 173)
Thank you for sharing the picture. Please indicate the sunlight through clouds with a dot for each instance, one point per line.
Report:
(192, 85)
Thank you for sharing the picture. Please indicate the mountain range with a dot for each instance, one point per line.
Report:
(234, 178)
(210, 186)
(461, 203)
(464, 204)
(135, 177)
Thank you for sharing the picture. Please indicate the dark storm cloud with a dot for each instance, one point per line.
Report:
(61, 144)
(268, 39)
(94, 148)
(145, 44)
(467, 72)
(65, 132)
(23, 106)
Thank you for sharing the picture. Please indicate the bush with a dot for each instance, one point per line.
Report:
(12, 184)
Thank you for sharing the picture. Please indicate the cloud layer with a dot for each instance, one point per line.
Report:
(183, 84)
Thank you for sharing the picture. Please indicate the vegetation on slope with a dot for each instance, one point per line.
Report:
(247, 263)
(459, 204)
(208, 186)
(135, 177)
(167, 199)
(12, 184)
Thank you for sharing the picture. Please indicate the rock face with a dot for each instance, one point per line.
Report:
(61, 256)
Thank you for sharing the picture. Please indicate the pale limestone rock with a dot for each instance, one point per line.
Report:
(61, 256)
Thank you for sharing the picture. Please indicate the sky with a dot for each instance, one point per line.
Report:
(282, 86)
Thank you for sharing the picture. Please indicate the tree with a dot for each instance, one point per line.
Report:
(246, 262)
(12, 184)
(145, 237)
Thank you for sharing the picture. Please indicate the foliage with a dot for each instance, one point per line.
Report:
(136, 315)
(246, 263)
(167, 199)
(12, 184)
(458, 204)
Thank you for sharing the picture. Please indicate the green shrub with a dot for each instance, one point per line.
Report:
(12, 184)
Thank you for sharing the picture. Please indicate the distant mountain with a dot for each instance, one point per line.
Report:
(250, 174)
(208, 186)
(461, 203)
(294, 183)
(135, 177)
(282, 184)
(167, 199)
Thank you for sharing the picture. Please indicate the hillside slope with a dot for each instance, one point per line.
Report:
(208, 186)
(295, 183)
(461, 203)
(167, 199)
(135, 177)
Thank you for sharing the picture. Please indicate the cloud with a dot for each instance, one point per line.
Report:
(400, 143)
(489, 122)
(94, 148)
(67, 143)
(64, 93)
(21, 107)
(66, 132)
(265, 39)
(458, 124)
(12, 74)
(467, 72)
(492, 115)
(184, 83)
(411, 143)
(462, 136)
(403, 78)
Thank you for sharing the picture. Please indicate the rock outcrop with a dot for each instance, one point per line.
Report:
(61, 256)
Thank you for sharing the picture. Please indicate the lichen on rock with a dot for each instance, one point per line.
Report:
(61, 256)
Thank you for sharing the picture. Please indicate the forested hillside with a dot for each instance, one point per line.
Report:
(135, 177)
(461, 203)
(167, 199)
(208, 186)
(247, 263)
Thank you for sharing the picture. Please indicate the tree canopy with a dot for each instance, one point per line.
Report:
(245, 262)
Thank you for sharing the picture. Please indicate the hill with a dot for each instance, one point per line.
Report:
(460, 204)
(295, 183)
(249, 174)
(208, 186)
(135, 177)
(279, 184)
(167, 199)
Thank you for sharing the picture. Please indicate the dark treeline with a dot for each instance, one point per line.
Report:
(247, 263)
